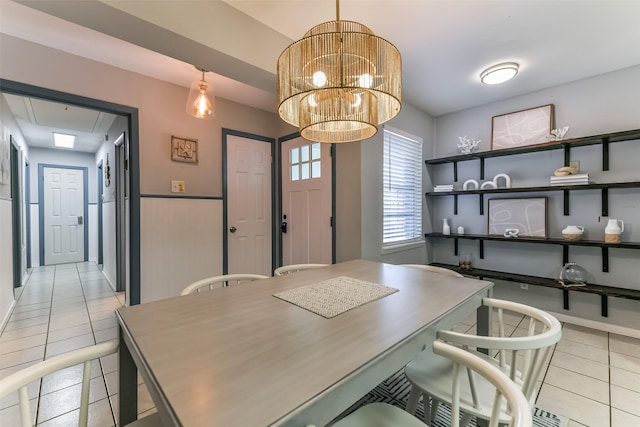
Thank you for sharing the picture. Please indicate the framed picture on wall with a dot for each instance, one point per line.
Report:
(184, 149)
(527, 215)
(520, 128)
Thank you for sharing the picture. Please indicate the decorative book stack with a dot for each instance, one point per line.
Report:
(576, 179)
(443, 188)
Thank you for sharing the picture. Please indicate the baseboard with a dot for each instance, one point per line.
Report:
(594, 324)
(111, 284)
(7, 315)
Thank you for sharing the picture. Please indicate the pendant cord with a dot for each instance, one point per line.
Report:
(337, 10)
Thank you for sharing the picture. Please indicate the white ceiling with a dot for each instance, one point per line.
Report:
(445, 44)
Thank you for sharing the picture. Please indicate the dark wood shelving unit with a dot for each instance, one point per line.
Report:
(604, 187)
(567, 144)
(603, 291)
(481, 238)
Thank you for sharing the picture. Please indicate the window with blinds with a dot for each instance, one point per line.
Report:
(402, 188)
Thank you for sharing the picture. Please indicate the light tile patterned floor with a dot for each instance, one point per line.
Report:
(593, 377)
(62, 308)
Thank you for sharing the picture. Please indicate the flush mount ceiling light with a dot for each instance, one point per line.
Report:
(339, 82)
(499, 73)
(63, 140)
(201, 103)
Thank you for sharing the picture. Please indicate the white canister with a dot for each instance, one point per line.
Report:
(573, 232)
(612, 231)
(460, 230)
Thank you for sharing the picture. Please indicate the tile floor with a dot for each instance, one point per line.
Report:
(593, 377)
(62, 308)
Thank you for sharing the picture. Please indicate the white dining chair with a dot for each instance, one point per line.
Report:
(294, 268)
(18, 382)
(434, 269)
(521, 357)
(221, 281)
(384, 415)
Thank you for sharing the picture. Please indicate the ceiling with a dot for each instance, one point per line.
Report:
(445, 44)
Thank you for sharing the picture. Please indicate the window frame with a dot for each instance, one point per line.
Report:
(417, 239)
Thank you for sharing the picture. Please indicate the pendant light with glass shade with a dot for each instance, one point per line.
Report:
(201, 103)
(339, 82)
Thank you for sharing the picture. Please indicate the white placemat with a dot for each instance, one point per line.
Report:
(335, 296)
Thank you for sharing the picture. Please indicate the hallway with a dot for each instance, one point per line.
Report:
(63, 308)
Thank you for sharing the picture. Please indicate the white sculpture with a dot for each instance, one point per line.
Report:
(511, 232)
(467, 145)
(488, 184)
(507, 180)
(558, 134)
(470, 183)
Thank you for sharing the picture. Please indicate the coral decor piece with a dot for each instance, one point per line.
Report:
(467, 145)
(558, 134)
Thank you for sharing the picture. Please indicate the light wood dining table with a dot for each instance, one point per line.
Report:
(239, 356)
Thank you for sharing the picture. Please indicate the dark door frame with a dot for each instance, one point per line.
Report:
(225, 226)
(16, 224)
(131, 113)
(85, 208)
(280, 171)
(100, 177)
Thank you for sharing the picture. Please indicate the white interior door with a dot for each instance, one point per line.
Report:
(249, 205)
(63, 215)
(306, 202)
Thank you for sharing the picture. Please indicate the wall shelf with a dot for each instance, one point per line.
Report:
(604, 140)
(549, 241)
(565, 144)
(604, 187)
(603, 291)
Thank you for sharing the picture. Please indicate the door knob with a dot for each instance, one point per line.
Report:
(233, 229)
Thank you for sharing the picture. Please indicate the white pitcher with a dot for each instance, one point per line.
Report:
(613, 230)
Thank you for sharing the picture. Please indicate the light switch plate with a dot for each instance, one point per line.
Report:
(177, 186)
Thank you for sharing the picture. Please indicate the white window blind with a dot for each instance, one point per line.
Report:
(402, 188)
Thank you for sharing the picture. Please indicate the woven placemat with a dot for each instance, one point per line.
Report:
(335, 296)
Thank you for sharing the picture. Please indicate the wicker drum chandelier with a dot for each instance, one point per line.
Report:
(339, 82)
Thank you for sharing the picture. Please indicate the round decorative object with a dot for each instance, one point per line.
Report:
(573, 275)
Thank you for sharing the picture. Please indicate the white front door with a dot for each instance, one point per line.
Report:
(249, 206)
(306, 202)
(63, 215)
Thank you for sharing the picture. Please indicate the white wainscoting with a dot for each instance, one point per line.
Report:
(109, 242)
(6, 262)
(180, 242)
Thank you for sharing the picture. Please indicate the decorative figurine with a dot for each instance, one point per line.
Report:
(467, 145)
(558, 134)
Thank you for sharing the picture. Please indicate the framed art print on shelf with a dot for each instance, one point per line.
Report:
(184, 149)
(520, 128)
(527, 215)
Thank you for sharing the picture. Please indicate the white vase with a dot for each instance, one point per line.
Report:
(612, 232)
(446, 230)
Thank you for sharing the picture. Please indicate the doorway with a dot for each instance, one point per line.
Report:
(122, 196)
(130, 114)
(248, 203)
(307, 202)
(64, 230)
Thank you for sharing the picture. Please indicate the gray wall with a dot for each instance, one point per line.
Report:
(606, 103)
(412, 121)
(161, 114)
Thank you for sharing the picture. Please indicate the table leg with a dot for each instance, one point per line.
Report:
(483, 317)
(127, 384)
